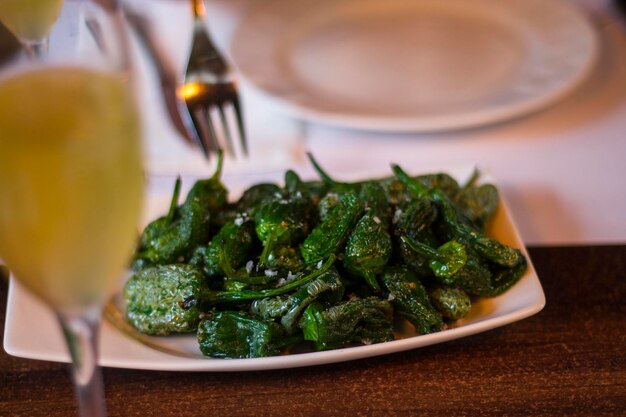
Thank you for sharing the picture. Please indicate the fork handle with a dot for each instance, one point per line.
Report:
(167, 74)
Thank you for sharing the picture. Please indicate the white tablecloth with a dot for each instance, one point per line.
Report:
(561, 170)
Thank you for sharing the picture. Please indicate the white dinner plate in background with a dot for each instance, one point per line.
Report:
(413, 65)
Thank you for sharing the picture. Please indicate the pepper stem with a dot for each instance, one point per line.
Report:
(174, 202)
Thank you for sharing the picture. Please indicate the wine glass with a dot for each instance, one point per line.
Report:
(72, 182)
(31, 21)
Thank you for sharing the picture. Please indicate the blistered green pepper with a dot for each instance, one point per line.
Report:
(174, 239)
(210, 193)
(157, 299)
(445, 261)
(452, 303)
(440, 181)
(364, 320)
(284, 219)
(330, 235)
(335, 190)
(468, 270)
(504, 278)
(410, 299)
(290, 307)
(156, 227)
(169, 298)
(284, 265)
(327, 204)
(456, 265)
(333, 186)
(285, 259)
(414, 219)
(369, 246)
(368, 250)
(478, 202)
(230, 334)
(247, 204)
(230, 248)
(178, 238)
(255, 195)
(460, 227)
(218, 297)
(398, 193)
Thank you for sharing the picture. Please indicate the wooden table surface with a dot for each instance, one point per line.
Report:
(570, 359)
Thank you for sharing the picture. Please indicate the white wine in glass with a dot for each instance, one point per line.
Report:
(31, 21)
(71, 184)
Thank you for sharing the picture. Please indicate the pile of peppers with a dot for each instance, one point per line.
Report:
(316, 265)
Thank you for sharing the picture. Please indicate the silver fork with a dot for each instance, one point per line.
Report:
(189, 105)
(210, 89)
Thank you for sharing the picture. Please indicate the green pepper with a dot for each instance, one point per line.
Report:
(398, 194)
(475, 277)
(452, 303)
(334, 186)
(285, 259)
(156, 299)
(364, 320)
(284, 219)
(255, 195)
(174, 239)
(505, 277)
(456, 265)
(414, 219)
(155, 228)
(230, 334)
(445, 261)
(245, 206)
(177, 239)
(468, 270)
(217, 297)
(230, 248)
(375, 199)
(394, 190)
(169, 298)
(210, 193)
(496, 251)
(478, 202)
(442, 182)
(329, 236)
(284, 265)
(410, 299)
(290, 307)
(334, 189)
(460, 227)
(327, 204)
(369, 246)
(368, 250)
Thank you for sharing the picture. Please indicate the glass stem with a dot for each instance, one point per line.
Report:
(37, 49)
(81, 334)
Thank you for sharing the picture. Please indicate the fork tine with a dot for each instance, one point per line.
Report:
(229, 139)
(212, 137)
(242, 132)
(211, 91)
(206, 133)
(197, 122)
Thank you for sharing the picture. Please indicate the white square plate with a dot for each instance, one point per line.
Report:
(31, 330)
